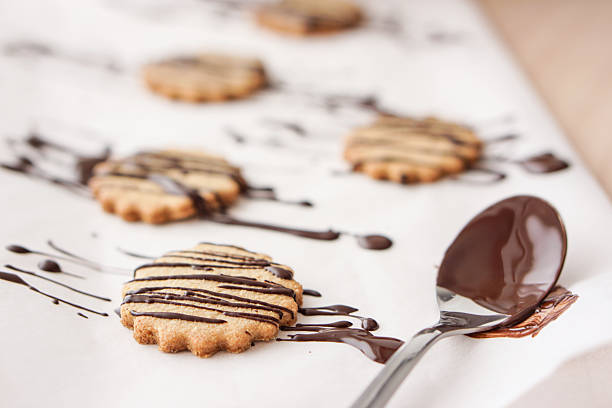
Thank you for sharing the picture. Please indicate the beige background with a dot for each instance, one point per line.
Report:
(565, 46)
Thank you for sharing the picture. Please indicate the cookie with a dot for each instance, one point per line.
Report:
(209, 298)
(307, 17)
(167, 185)
(205, 77)
(406, 150)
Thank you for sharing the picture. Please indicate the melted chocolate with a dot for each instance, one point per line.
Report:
(544, 163)
(555, 304)
(268, 193)
(377, 242)
(133, 254)
(82, 315)
(49, 265)
(37, 49)
(178, 316)
(521, 250)
(11, 277)
(379, 349)
(311, 292)
(82, 167)
(367, 323)
(342, 324)
(14, 268)
(280, 272)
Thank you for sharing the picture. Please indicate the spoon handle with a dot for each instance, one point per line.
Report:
(396, 369)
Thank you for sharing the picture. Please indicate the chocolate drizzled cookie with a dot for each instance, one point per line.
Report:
(205, 77)
(406, 150)
(165, 185)
(209, 298)
(306, 17)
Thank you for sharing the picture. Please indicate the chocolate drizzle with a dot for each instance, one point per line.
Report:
(49, 265)
(311, 292)
(376, 348)
(16, 269)
(69, 257)
(367, 323)
(543, 163)
(11, 277)
(82, 165)
(208, 263)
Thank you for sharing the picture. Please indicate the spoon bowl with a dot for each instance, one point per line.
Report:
(496, 272)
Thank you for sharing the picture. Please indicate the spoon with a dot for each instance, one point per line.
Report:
(496, 272)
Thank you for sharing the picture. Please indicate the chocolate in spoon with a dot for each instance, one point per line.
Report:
(497, 271)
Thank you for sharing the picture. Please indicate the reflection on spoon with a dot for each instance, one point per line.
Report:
(495, 273)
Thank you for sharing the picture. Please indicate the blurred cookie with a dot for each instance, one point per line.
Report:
(209, 298)
(305, 17)
(165, 185)
(406, 150)
(205, 77)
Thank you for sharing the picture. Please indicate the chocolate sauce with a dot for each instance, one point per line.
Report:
(14, 268)
(178, 316)
(367, 323)
(268, 193)
(11, 277)
(342, 324)
(82, 315)
(38, 49)
(311, 292)
(280, 272)
(543, 163)
(49, 265)
(376, 348)
(82, 167)
(376, 242)
(521, 246)
(294, 127)
(553, 305)
(133, 254)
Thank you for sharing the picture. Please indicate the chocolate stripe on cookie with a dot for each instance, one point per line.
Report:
(409, 150)
(211, 282)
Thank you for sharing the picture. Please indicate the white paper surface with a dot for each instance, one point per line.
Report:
(51, 356)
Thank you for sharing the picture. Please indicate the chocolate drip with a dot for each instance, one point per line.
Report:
(342, 324)
(14, 268)
(82, 315)
(178, 316)
(494, 176)
(544, 163)
(268, 193)
(49, 265)
(11, 277)
(311, 292)
(377, 242)
(367, 323)
(280, 272)
(33, 48)
(82, 168)
(133, 254)
(379, 349)
(96, 266)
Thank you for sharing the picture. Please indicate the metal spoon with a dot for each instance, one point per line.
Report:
(499, 268)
